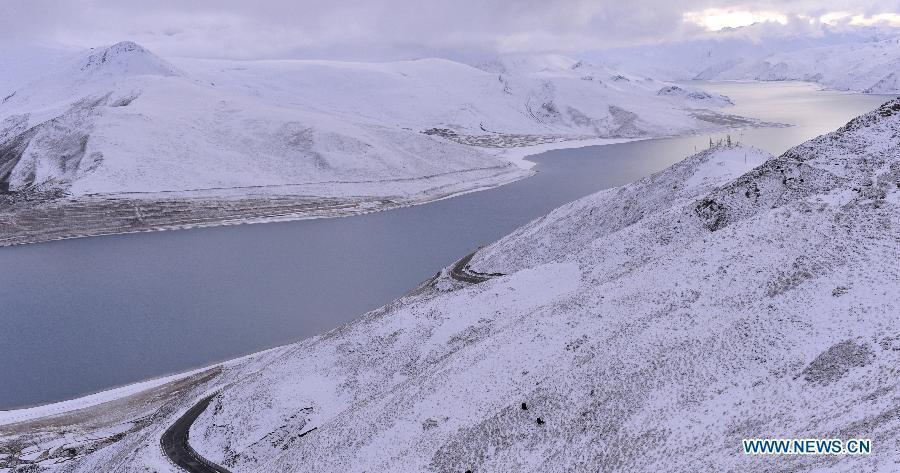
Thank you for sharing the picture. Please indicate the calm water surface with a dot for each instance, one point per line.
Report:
(78, 316)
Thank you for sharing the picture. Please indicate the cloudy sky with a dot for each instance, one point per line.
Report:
(393, 29)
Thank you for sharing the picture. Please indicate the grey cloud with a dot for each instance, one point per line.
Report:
(387, 29)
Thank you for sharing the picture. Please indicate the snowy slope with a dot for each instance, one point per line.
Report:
(638, 342)
(546, 96)
(20, 65)
(122, 120)
(649, 327)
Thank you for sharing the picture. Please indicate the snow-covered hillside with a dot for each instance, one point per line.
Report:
(862, 60)
(122, 120)
(649, 327)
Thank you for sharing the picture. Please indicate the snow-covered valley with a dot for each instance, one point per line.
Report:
(449, 236)
(648, 327)
(119, 129)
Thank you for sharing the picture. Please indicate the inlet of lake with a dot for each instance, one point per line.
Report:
(83, 315)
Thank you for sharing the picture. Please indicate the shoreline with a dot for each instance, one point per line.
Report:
(302, 205)
(122, 215)
(516, 156)
(38, 411)
(125, 214)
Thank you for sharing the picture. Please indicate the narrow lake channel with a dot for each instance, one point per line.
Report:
(142, 305)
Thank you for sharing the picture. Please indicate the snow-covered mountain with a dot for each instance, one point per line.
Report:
(863, 60)
(123, 120)
(649, 327)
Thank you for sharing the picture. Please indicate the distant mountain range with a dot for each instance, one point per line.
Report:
(861, 60)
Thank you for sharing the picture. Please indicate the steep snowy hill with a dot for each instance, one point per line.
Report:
(122, 120)
(649, 327)
(860, 60)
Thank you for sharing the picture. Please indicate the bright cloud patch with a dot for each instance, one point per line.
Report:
(842, 17)
(892, 19)
(715, 19)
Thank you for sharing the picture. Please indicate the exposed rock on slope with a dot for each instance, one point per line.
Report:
(860, 158)
(697, 95)
(566, 229)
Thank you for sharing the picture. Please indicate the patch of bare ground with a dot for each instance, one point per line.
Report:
(71, 435)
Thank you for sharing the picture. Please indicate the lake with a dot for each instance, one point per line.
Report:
(83, 315)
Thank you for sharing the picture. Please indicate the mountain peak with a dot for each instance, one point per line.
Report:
(126, 58)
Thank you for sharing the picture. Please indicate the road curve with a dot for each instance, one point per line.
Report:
(175, 442)
(462, 272)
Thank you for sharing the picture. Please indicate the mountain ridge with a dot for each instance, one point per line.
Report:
(859, 59)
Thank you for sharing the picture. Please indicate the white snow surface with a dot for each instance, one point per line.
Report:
(650, 327)
(122, 120)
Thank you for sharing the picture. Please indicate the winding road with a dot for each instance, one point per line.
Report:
(462, 272)
(175, 442)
